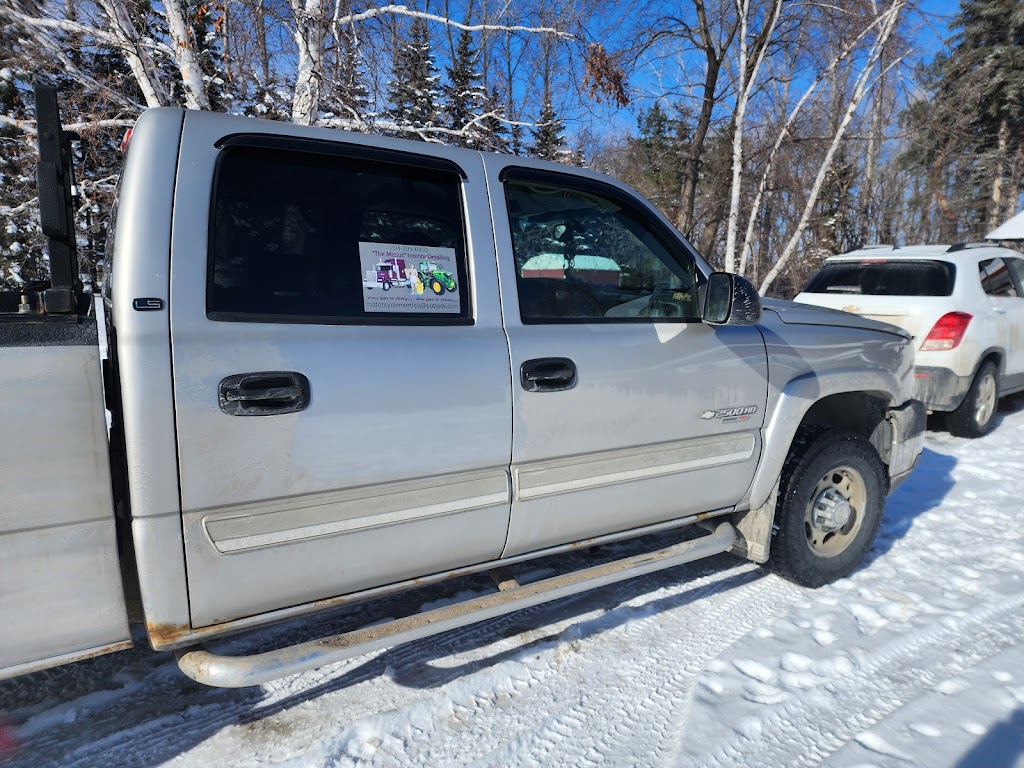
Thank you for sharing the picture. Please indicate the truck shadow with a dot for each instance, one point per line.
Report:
(925, 489)
(1002, 746)
(411, 665)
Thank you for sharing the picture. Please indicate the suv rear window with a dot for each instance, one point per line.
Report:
(885, 278)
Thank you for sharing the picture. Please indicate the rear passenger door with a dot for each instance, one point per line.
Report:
(628, 410)
(341, 377)
(1014, 378)
(1002, 285)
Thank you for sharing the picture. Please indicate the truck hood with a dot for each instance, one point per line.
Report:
(792, 313)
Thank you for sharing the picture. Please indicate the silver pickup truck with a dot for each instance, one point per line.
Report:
(343, 365)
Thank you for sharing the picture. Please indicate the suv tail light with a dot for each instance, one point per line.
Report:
(947, 332)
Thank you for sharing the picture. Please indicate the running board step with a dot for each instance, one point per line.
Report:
(241, 671)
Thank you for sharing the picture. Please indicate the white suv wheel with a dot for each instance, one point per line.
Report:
(976, 414)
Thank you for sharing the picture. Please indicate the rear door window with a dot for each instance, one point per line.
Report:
(309, 238)
(885, 278)
(996, 279)
(1017, 267)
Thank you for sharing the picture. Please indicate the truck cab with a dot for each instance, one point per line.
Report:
(622, 389)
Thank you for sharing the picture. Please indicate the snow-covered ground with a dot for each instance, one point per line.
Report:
(915, 660)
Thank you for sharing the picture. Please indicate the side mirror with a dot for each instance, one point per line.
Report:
(731, 300)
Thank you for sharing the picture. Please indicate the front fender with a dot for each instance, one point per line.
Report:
(792, 405)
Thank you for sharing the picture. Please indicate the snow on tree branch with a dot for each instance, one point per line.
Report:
(401, 10)
(29, 127)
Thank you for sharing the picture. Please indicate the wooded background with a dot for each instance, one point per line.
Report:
(773, 133)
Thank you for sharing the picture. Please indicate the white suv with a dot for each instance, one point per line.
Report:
(964, 307)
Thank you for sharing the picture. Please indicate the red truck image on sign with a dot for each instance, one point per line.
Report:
(387, 273)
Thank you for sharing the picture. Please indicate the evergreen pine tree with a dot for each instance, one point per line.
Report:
(412, 92)
(970, 134)
(656, 155)
(516, 135)
(344, 94)
(548, 137)
(352, 99)
(21, 251)
(495, 133)
(463, 94)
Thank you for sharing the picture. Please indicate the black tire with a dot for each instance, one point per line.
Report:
(386, 285)
(977, 413)
(841, 472)
(437, 287)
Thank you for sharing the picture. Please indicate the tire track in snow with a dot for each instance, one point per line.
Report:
(463, 709)
(659, 690)
(546, 729)
(821, 721)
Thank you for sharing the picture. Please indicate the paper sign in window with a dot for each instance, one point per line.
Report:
(409, 278)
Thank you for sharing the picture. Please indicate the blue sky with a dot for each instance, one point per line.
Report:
(928, 26)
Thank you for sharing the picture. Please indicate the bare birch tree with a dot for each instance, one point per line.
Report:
(863, 82)
(786, 130)
(748, 70)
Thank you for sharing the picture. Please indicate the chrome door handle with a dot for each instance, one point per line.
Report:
(548, 374)
(265, 393)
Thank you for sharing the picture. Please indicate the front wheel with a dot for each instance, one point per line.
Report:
(830, 506)
(976, 415)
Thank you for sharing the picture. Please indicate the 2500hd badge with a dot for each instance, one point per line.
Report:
(730, 414)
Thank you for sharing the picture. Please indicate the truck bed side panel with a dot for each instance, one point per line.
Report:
(60, 582)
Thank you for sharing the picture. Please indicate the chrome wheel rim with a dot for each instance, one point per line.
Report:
(985, 403)
(835, 513)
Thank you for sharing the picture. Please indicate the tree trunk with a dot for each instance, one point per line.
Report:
(308, 74)
(139, 59)
(185, 54)
(748, 76)
(867, 206)
(691, 163)
(261, 41)
(784, 133)
(996, 209)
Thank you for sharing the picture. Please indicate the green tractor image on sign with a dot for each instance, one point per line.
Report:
(436, 278)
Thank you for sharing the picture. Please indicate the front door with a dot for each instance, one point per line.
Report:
(628, 410)
(341, 377)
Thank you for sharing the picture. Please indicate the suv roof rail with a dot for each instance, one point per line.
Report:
(874, 246)
(965, 246)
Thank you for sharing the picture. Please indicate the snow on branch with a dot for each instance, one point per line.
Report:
(56, 50)
(401, 10)
(28, 205)
(29, 126)
(430, 133)
(61, 25)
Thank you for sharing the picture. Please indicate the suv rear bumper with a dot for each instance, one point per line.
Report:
(940, 389)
